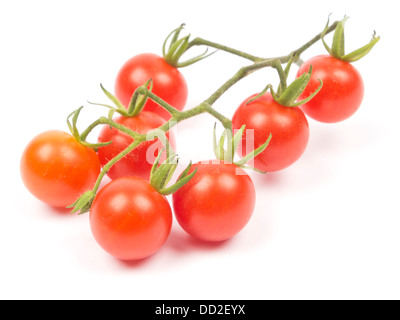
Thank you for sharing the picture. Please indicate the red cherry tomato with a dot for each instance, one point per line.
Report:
(129, 219)
(342, 91)
(140, 160)
(216, 203)
(288, 126)
(57, 169)
(168, 83)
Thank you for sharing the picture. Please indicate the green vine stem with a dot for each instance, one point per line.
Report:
(283, 59)
(203, 42)
(83, 203)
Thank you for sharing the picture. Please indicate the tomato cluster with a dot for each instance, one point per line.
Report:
(212, 200)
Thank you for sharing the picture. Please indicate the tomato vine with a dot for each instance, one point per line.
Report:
(172, 54)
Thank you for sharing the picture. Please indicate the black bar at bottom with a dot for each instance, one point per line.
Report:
(200, 309)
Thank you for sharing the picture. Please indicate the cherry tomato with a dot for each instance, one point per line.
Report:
(216, 203)
(140, 160)
(288, 126)
(57, 169)
(342, 91)
(168, 83)
(129, 219)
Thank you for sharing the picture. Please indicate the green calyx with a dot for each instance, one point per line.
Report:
(287, 95)
(177, 47)
(136, 105)
(337, 49)
(232, 143)
(75, 132)
(161, 174)
(84, 203)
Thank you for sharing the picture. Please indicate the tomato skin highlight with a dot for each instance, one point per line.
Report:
(168, 82)
(129, 219)
(134, 163)
(57, 169)
(342, 91)
(288, 126)
(216, 203)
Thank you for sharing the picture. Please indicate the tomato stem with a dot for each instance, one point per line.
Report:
(114, 160)
(111, 123)
(282, 76)
(203, 42)
(283, 59)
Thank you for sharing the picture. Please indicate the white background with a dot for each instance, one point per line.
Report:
(326, 228)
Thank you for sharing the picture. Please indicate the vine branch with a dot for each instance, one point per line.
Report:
(178, 116)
